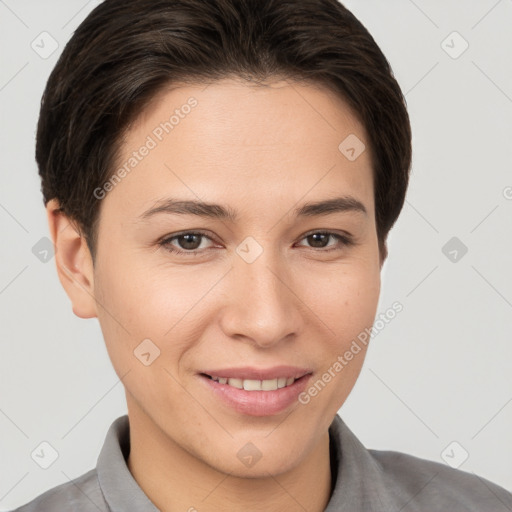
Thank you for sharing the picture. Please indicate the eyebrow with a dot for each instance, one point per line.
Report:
(216, 211)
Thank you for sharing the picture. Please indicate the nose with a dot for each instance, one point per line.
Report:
(263, 307)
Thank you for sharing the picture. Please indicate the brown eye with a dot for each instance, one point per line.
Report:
(187, 243)
(320, 240)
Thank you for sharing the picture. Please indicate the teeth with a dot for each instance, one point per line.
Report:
(269, 385)
(252, 385)
(256, 385)
(236, 383)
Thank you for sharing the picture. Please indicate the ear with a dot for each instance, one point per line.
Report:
(73, 260)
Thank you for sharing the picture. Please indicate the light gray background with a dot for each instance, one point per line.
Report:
(439, 372)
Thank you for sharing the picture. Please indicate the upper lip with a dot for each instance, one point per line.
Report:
(247, 372)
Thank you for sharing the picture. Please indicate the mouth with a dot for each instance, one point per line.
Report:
(255, 384)
(256, 397)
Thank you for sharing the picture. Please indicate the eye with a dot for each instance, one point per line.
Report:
(318, 239)
(189, 242)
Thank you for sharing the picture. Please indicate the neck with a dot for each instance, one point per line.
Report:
(174, 479)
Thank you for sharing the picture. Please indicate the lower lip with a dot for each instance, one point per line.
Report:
(257, 403)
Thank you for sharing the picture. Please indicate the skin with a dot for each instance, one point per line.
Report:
(277, 148)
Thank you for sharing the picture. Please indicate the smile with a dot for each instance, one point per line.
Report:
(255, 385)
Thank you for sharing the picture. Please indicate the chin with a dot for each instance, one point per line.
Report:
(257, 459)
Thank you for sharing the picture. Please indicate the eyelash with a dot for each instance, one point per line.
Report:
(345, 240)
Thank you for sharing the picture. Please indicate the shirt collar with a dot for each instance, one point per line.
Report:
(359, 483)
(120, 489)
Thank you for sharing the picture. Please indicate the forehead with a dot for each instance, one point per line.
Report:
(236, 141)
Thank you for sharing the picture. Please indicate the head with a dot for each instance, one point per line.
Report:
(255, 111)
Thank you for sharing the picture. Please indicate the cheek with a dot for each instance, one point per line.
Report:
(147, 300)
(155, 303)
(141, 305)
(344, 300)
(347, 304)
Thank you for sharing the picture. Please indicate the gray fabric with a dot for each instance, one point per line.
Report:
(366, 481)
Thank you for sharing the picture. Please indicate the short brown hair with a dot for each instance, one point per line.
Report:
(126, 51)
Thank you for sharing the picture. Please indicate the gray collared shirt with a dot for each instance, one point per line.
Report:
(365, 481)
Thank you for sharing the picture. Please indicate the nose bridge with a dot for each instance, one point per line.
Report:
(263, 308)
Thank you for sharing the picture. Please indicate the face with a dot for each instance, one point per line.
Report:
(252, 284)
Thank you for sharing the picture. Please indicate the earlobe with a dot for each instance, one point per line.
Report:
(73, 260)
